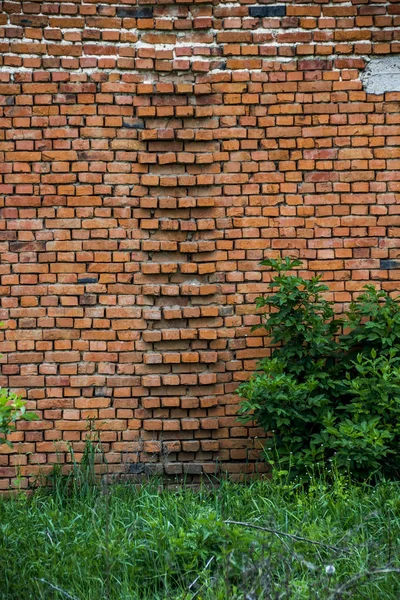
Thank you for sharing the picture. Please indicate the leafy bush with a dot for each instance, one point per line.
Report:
(327, 395)
(12, 408)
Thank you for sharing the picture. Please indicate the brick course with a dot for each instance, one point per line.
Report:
(150, 156)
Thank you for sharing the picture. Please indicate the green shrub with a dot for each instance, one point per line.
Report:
(12, 408)
(326, 395)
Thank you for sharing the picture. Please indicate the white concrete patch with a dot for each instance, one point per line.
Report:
(382, 75)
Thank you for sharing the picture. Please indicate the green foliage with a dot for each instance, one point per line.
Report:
(12, 408)
(327, 396)
(302, 320)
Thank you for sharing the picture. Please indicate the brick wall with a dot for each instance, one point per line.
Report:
(151, 154)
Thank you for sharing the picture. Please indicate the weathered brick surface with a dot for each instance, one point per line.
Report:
(150, 156)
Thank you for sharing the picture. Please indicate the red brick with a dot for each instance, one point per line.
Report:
(135, 211)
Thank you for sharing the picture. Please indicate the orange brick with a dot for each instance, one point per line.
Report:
(135, 211)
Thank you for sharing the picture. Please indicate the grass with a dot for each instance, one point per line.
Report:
(149, 543)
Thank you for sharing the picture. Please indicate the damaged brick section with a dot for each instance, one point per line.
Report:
(151, 155)
(382, 75)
